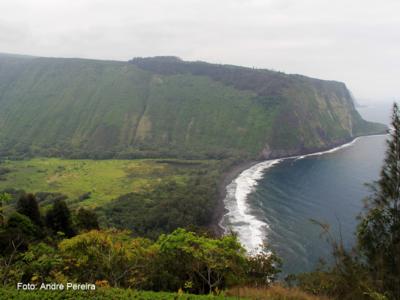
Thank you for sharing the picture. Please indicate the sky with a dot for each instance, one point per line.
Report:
(354, 41)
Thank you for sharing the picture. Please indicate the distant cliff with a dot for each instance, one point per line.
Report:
(166, 107)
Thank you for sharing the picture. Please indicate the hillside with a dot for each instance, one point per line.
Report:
(166, 107)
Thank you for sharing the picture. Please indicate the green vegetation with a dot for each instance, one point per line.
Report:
(181, 260)
(165, 208)
(93, 183)
(273, 292)
(126, 267)
(149, 197)
(163, 107)
(103, 294)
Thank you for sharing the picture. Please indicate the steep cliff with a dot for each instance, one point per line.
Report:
(166, 107)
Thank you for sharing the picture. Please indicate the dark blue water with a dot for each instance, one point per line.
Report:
(328, 188)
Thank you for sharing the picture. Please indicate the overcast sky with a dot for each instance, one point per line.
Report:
(355, 41)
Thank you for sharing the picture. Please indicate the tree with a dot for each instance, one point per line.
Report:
(86, 219)
(40, 263)
(18, 230)
(4, 199)
(379, 228)
(58, 218)
(198, 261)
(18, 233)
(111, 256)
(28, 206)
(262, 268)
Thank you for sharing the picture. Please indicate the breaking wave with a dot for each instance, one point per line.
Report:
(240, 218)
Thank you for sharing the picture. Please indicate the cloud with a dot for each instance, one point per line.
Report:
(356, 41)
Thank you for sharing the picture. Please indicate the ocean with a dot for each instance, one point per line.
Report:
(279, 202)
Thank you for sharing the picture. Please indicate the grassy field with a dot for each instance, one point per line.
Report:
(103, 179)
(272, 293)
(102, 293)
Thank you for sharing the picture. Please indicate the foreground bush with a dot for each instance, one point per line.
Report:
(182, 260)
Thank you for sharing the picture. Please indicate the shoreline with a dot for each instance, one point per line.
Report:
(226, 178)
(232, 173)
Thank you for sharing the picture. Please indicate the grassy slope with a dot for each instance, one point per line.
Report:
(53, 105)
(104, 179)
(274, 292)
(89, 108)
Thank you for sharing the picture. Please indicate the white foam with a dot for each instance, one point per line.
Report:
(251, 231)
(326, 151)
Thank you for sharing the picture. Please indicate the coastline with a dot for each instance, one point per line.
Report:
(231, 174)
(226, 178)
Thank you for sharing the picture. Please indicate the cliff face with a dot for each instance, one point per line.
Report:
(316, 115)
(167, 107)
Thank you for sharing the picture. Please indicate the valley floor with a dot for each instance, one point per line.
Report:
(92, 183)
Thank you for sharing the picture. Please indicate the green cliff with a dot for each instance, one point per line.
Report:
(166, 107)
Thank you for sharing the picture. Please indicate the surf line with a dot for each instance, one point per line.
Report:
(251, 231)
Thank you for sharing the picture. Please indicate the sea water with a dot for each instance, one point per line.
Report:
(278, 202)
